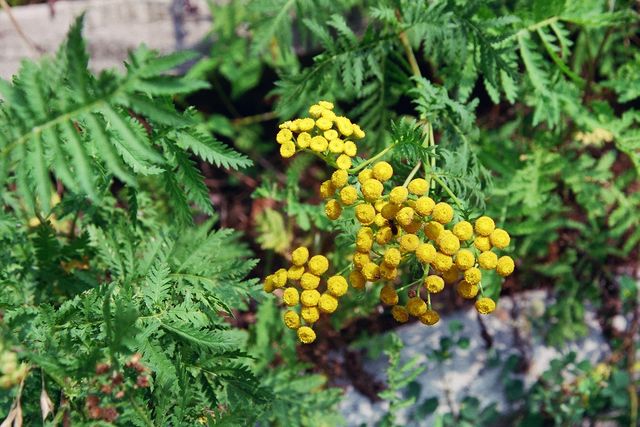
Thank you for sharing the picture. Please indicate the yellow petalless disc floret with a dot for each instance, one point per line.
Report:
(337, 286)
(291, 319)
(310, 297)
(371, 271)
(300, 256)
(348, 195)
(310, 314)
(327, 190)
(339, 178)
(291, 297)
(467, 290)
(485, 305)
(409, 242)
(442, 262)
(372, 189)
(465, 259)
(484, 226)
(350, 148)
(448, 243)
(482, 243)
(306, 335)
(442, 212)
(418, 186)
(392, 257)
(488, 260)
(343, 161)
(473, 275)
(287, 149)
(499, 238)
(424, 206)
(365, 213)
(426, 253)
(416, 306)
(398, 195)
(433, 230)
(309, 281)
(463, 230)
(430, 317)
(357, 280)
(434, 284)
(400, 314)
(284, 135)
(318, 264)
(388, 295)
(332, 209)
(505, 266)
(382, 171)
(295, 272)
(327, 303)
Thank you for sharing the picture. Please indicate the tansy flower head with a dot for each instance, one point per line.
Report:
(424, 205)
(332, 209)
(365, 213)
(416, 306)
(465, 259)
(388, 295)
(426, 253)
(392, 257)
(430, 317)
(418, 187)
(467, 290)
(434, 284)
(309, 281)
(398, 195)
(499, 238)
(409, 242)
(337, 286)
(291, 319)
(473, 275)
(310, 314)
(306, 335)
(442, 212)
(300, 256)
(505, 266)
(382, 171)
(485, 305)
(348, 195)
(463, 230)
(400, 314)
(448, 243)
(339, 178)
(327, 303)
(482, 243)
(318, 264)
(484, 226)
(291, 297)
(357, 280)
(488, 260)
(372, 189)
(310, 297)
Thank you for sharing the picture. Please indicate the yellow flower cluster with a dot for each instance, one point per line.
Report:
(303, 286)
(403, 223)
(324, 133)
(397, 224)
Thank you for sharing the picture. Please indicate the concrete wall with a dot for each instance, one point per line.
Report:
(112, 28)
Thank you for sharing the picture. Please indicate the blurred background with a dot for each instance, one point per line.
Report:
(554, 155)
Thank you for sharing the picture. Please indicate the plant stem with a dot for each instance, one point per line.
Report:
(412, 173)
(448, 190)
(249, 120)
(371, 160)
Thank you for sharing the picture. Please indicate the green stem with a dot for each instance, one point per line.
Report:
(432, 159)
(457, 201)
(371, 160)
(412, 174)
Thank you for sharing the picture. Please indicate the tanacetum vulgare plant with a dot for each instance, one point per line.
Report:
(396, 225)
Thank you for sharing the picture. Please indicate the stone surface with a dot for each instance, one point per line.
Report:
(470, 372)
(112, 28)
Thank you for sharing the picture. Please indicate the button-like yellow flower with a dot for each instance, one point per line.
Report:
(398, 195)
(442, 262)
(348, 195)
(424, 206)
(371, 271)
(316, 110)
(465, 259)
(344, 125)
(418, 186)
(337, 286)
(295, 272)
(505, 266)
(357, 280)
(390, 210)
(303, 140)
(416, 306)
(326, 104)
(291, 297)
(330, 134)
(382, 171)
(327, 190)
(434, 284)
(442, 212)
(499, 238)
(426, 253)
(388, 272)
(268, 286)
(488, 260)
(291, 319)
(364, 175)
(357, 132)
(485, 305)
(384, 235)
(310, 297)
(361, 259)
(392, 257)
(323, 123)
(309, 281)
(364, 240)
(400, 314)
(333, 209)
(365, 213)
(306, 335)
(448, 243)
(473, 275)
(433, 230)
(482, 243)
(318, 264)
(310, 314)
(300, 256)
(318, 144)
(283, 136)
(339, 178)
(430, 317)
(280, 278)
(405, 216)
(467, 290)
(388, 295)
(372, 189)
(409, 242)
(350, 149)
(451, 276)
(343, 161)
(463, 230)
(336, 146)
(327, 303)
(484, 226)
(287, 149)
